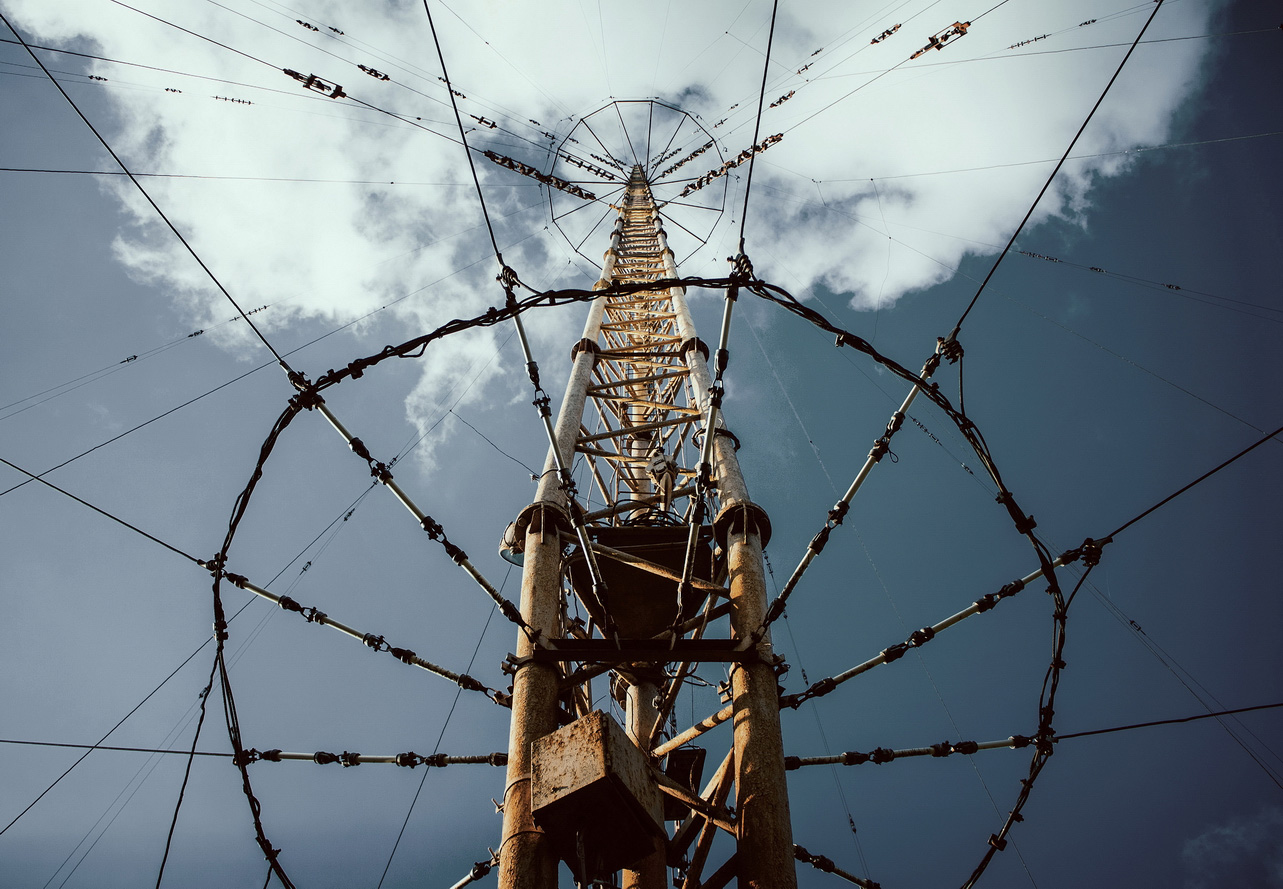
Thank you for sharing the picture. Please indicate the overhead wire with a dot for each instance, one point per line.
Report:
(1193, 484)
(904, 629)
(1072, 142)
(384, 182)
(254, 370)
(187, 773)
(208, 272)
(92, 747)
(1191, 684)
(819, 725)
(416, 122)
(1157, 722)
(481, 198)
(757, 126)
(955, 270)
(487, 440)
(115, 518)
(61, 389)
(440, 735)
(352, 42)
(746, 195)
(1051, 160)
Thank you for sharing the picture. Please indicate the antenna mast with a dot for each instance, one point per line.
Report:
(653, 589)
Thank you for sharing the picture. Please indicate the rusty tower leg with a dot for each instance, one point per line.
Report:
(526, 858)
(765, 838)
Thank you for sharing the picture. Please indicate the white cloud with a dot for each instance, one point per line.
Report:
(334, 251)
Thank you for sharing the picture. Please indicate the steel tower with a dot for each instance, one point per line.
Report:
(631, 580)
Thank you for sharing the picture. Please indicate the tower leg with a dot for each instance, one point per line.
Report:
(650, 872)
(526, 857)
(765, 840)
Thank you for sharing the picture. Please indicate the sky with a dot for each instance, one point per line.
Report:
(1122, 348)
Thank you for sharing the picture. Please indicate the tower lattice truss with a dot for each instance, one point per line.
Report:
(641, 391)
(636, 572)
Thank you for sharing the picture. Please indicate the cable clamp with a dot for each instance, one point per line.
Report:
(512, 663)
(821, 688)
(950, 349)
(467, 683)
(349, 759)
(1011, 589)
(722, 431)
(1090, 552)
(921, 637)
(894, 424)
(721, 361)
(820, 540)
(306, 400)
(358, 447)
(894, 652)
(508, 278)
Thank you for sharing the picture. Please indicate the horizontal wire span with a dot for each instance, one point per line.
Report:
(882, 755)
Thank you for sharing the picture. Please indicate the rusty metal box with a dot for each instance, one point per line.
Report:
(591, 785)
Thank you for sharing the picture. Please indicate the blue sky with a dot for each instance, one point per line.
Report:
(1100, 392)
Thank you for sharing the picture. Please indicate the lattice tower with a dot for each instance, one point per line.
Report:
(671, 576)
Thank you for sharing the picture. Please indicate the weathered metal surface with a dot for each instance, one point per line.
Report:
(640, 603)
(685, 766)
(650, 871)
(643, 372)
(593, 794)
(526, 858)
(605, 651)
(765, 842)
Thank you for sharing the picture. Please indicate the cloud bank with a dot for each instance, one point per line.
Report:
(857, 196)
